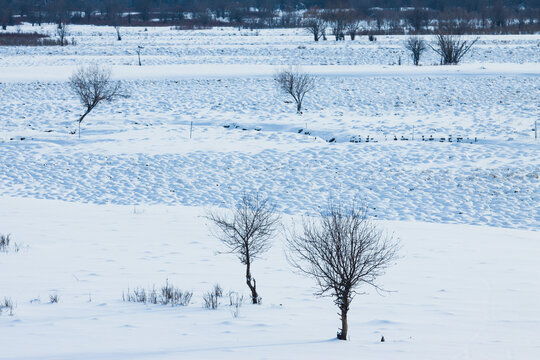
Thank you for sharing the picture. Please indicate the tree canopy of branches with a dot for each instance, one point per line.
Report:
(246, 231)
(416, 46)
(451, 48)
(342, 250)
(93, 85)
(315, 25)
(297, 84)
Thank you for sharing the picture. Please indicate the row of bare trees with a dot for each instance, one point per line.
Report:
(341, 248)
(341, 23)
(390, 16)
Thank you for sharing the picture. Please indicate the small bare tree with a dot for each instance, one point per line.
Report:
(246, 232)
(416, 46)
(315, 25)
(341, 249)
(62, 32)
(93, 85)
(451, 48)
(294, 82)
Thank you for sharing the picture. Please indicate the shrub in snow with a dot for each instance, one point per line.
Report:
(169, 295)
(341, 249)
(235, 302)
(6, 245)
(451, 48)
(211, 298)
(7, 306)
(53, 298)
(246, 231)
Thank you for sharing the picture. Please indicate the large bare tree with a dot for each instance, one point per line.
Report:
(246, 231)
(342, 250)
(93, 85)
(416, 46)
(297, 84)
(451, 48)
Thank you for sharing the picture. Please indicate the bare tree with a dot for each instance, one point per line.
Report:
(294, 82)
(246, 232)
(316, 26)
(338, 29)
(93, 85)
(352, 27)
(342, 250)
(416, 46)
(62, 32)
(451, 48)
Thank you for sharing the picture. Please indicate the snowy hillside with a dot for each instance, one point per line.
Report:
(451, 168)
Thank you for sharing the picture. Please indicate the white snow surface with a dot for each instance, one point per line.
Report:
(122, 206)
(458, 292)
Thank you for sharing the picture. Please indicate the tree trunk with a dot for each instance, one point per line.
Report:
(299, 107)
(342, 335)
(80, 121)
(252, 285)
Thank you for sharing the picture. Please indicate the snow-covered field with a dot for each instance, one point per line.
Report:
(121, 206)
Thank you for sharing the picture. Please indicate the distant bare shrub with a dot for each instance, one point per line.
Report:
(416, 46)
(451, 48)
(294, 82)
(53, 298)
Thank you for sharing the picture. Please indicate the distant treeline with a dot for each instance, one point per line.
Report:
(378, 16)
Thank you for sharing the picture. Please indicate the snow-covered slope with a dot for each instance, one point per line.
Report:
(457, 292)
(121, 207)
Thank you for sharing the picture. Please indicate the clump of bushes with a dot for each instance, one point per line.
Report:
(168, 295)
